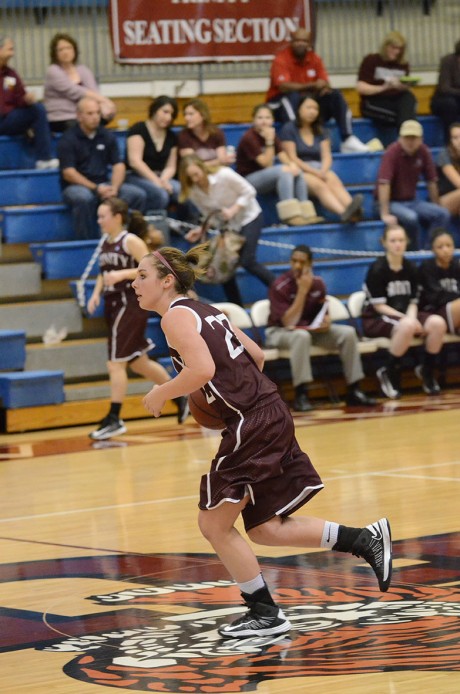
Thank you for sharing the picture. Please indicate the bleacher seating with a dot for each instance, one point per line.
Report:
(31, 388)
(12, 350)
(31, 212)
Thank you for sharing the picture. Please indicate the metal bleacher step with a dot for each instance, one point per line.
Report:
(30, 187)
(101, 389)
(35, 317)
(12, 350)
(20, 279)
(27, 224)
(31, 388)
(76, 358)
(64, 259)
(275, 242)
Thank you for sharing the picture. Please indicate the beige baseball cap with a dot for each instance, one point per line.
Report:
(411, 128)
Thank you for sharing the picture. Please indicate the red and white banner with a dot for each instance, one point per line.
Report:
(170, 31)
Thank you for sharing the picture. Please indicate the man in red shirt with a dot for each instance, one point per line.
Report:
(297, 70)
(402, 166)
(18, 110)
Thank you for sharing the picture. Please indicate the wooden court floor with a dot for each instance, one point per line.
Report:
(106, 583)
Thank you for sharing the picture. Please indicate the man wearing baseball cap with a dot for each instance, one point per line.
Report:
(403, 165)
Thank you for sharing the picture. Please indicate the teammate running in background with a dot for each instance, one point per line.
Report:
(259, 470)
(440, 281)
(127, 344)
(391, 310)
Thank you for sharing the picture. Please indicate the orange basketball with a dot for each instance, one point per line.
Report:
(203, 413)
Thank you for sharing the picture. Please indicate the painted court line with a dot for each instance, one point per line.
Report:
(394, 472)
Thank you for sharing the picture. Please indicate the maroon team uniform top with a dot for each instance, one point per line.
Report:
(125, 319)
(258, 453)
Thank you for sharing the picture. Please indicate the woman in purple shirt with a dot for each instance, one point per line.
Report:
(66, 82)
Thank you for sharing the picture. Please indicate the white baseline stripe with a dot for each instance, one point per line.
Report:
(417, 477)
(99, 508)
(392, 472)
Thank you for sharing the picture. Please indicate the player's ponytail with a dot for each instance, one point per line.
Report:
(185, 267)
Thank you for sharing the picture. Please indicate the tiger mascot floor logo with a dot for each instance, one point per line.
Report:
(165, 638)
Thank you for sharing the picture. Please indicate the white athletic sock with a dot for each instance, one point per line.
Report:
(250, 587)
(330, 535)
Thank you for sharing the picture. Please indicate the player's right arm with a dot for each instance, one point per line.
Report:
(95, 297)
(199, 367)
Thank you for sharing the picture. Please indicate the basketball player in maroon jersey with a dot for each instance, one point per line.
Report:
(259, 469)
(127, 345)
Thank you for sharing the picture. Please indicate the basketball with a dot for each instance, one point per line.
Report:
(203, 413)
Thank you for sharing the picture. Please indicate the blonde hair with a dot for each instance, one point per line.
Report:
(185, 182)
(184, 267)
(394, 38)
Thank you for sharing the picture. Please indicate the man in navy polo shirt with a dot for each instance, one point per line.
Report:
(93, 170)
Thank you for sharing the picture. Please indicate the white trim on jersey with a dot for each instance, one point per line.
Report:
(303, 494)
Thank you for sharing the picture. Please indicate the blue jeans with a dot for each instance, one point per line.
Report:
(18, 121)
(273, 178)
(417, 216)
(251, 232)
(84, 203)
(157, 198)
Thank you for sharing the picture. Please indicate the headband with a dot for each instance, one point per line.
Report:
(164, 262)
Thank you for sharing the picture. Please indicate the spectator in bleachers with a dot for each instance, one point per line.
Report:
(446, 100)
(448, 165)
(92, 170)
(440, 281)
(402, 165)
(202, 137)
(385, 97)
(299, 319)
(308, 146)
(19, 110)
(151, 155)
(119, 256)
(66, 82)
(225, 190)
(297, 70)
(391, 310)
(260, 158)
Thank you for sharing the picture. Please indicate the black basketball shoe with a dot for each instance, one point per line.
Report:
(110, 426)
(260, 620)
(183, 409)
(374, 545)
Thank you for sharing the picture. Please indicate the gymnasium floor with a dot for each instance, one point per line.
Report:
(107, 584)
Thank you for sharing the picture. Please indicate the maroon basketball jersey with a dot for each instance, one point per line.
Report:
(114, 256)
(237, 385)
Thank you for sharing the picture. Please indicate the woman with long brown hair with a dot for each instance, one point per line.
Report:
(120, 253)
(259, 472)
(202, 137)
(307, 145)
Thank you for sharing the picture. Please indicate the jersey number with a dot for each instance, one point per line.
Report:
(234, 346)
